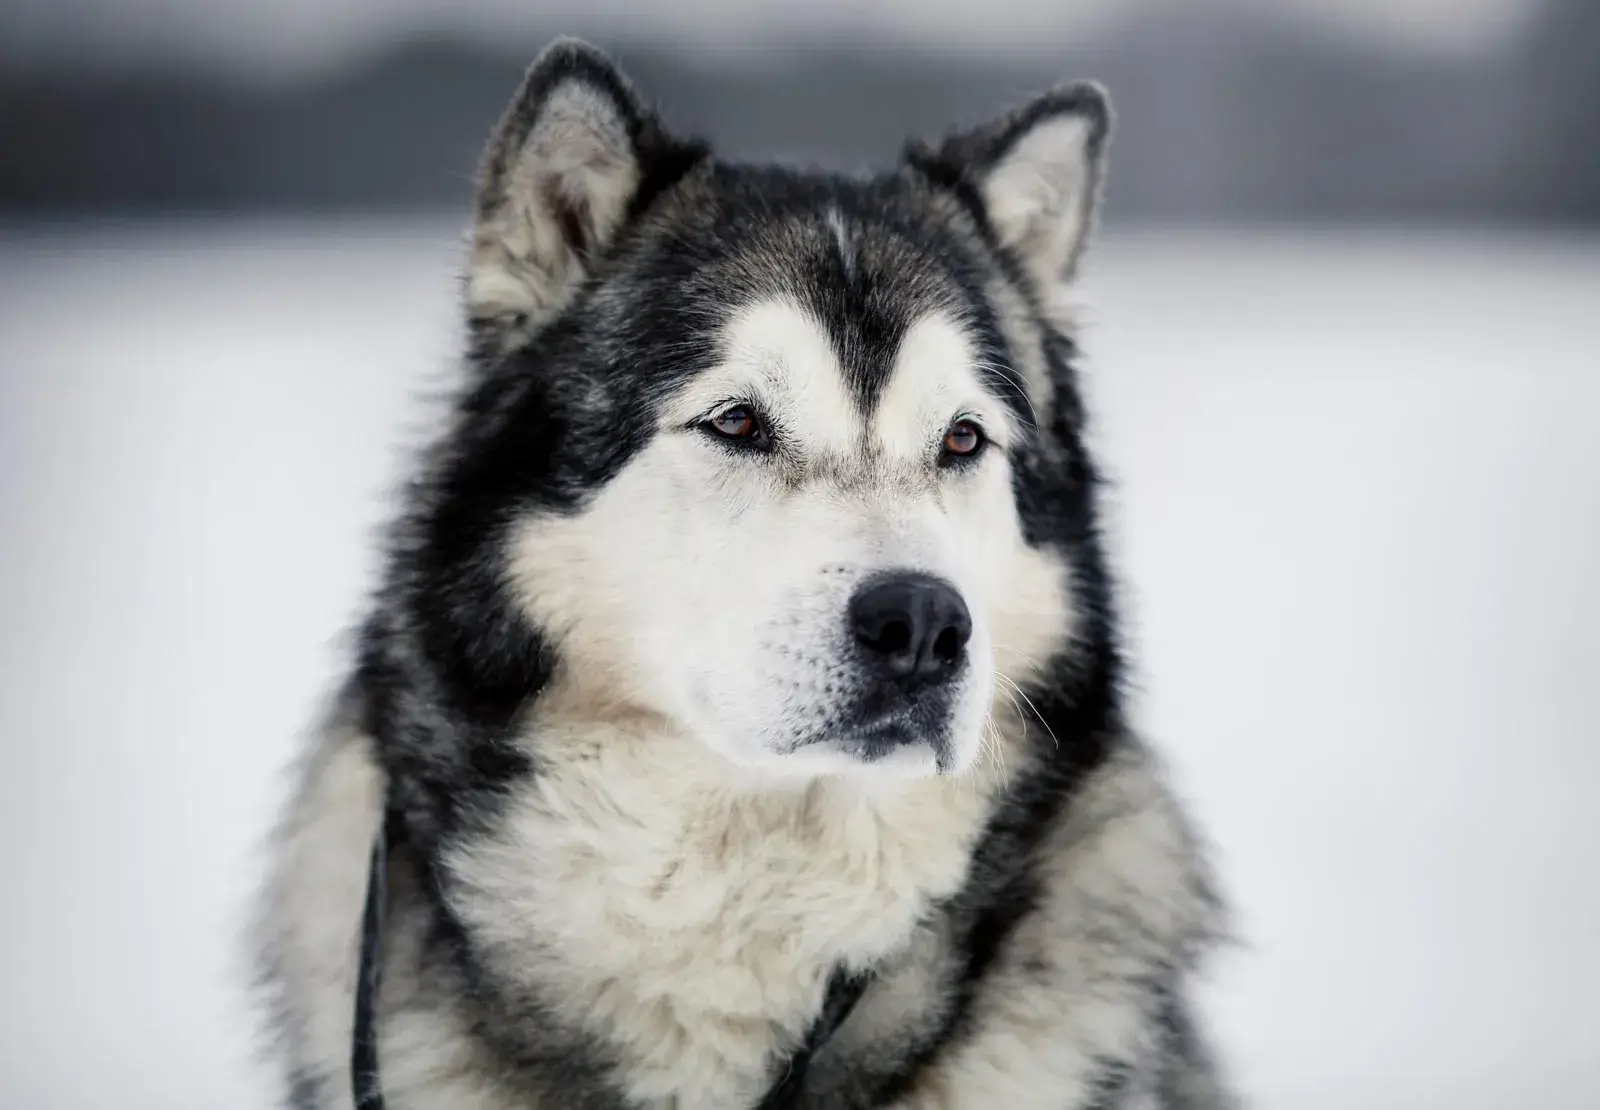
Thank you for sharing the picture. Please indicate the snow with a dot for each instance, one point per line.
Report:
(1356, 509)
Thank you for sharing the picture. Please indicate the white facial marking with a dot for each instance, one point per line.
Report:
(841, 239)
(935, 381)
(777, 355)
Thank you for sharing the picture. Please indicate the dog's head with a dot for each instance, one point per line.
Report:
(791, 460)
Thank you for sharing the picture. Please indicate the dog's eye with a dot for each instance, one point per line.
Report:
(740, 424)
(963, 440)
(735, 423)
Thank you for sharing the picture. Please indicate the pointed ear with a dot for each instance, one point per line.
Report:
(563, 172)
(1037, 173)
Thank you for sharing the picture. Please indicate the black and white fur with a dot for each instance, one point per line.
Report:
(652, 797)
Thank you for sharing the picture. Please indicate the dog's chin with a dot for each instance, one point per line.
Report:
(877, 751)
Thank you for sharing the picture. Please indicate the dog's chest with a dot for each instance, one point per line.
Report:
(694, 929)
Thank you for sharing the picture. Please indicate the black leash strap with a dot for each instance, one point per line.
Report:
(786, 1092)
(365, 1083)
(844, 991)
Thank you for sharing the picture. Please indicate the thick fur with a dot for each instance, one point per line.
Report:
(651, 799)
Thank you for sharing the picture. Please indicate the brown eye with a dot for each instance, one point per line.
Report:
(736, 423)
(742, 426)
(963, 439)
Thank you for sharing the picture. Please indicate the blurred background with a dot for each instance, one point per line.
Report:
(1339, 349)
(1235, 110)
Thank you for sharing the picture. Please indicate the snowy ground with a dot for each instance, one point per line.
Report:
(1359, 509)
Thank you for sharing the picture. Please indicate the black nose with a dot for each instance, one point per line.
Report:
(914, 625)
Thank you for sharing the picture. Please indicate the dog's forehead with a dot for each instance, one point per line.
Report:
(778, 354)
(852, 334)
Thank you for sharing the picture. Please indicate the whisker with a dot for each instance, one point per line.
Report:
(1014, 380)
(1035, 709)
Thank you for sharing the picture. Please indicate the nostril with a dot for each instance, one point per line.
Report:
(949, 644)
(894, 638)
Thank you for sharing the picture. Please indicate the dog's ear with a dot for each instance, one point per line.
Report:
(562, 175)
(1036, 173)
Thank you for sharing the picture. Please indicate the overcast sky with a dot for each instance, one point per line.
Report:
(279, 34)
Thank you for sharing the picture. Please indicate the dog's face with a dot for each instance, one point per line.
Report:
(805, 564)
(758, 452)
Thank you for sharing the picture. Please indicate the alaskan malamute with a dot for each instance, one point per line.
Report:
(738, 722)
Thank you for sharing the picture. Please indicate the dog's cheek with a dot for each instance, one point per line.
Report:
(1025, 592)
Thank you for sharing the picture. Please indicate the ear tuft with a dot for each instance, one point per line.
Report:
(559, 179)
(1037, 173)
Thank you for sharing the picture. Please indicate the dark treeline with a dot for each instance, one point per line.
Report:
(1226, 118)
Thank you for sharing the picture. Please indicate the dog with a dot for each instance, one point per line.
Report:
(739, 719)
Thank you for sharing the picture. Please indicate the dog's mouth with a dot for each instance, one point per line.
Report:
(873, 732)
(880, 740)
